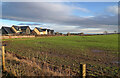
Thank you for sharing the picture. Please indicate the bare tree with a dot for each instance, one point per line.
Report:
(105, 32)
(115, 32)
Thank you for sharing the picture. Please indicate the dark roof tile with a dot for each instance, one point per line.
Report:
(44, 29)
(7, 30)
(40, 30)
(20, 27)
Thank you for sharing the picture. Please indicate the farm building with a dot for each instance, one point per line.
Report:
(21, 29)
(7, 30)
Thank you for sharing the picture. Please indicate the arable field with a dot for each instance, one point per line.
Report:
(100, 52)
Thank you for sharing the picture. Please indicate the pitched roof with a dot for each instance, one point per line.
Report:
(48, 30)
(40, 30)
(31, 30)
(20, 27)
(7, 30)
(16, 27)
(24, 27)
(4, 32)
(44, 29)
(52, 30)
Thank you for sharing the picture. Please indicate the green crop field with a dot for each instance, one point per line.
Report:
(98, 52)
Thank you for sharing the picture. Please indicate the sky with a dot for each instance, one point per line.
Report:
(87, 17)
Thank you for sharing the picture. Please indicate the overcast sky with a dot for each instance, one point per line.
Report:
(87, 17)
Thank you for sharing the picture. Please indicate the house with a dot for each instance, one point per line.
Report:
(17, 30)
(45, 31)
(48, 32)
(21, 29)
(25, 29)
(7, 30)
(52, 32)
(33, 32)
(38, 31)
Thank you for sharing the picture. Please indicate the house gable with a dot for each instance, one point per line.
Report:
(36, 31)
(40, 31)
(21, 29)
(28, 31)
(25, 29)
(16, 29)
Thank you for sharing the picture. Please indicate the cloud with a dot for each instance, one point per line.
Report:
(60, 0)
(34, 10)
(29, 24)
(90, 29)
(113, 9)
(81, 9)
(78, 29)
(56, 13)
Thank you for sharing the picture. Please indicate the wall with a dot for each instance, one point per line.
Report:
(45, 32)
(41, 33)
(7, 37)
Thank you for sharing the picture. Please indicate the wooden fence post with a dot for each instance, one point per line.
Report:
(3, 57)
(83, 70)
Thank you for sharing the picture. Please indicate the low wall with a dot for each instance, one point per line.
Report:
(7, 37)
(27, 36)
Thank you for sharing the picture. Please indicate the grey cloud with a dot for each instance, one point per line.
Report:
(60, 1)
(29, 24)
(54, 13)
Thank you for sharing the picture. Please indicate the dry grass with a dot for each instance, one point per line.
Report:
(25, 67)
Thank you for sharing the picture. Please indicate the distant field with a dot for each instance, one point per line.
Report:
(98, 52)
